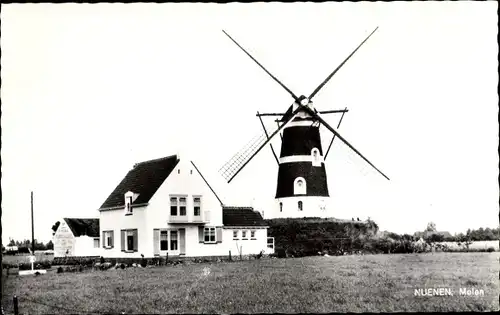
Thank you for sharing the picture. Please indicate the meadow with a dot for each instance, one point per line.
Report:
(356, 283)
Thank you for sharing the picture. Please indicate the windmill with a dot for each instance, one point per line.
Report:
(302, 189)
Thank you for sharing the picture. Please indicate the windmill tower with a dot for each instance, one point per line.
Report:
(302, 188)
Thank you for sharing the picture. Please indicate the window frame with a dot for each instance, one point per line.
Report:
(108, 239)
(252, 235)
(197, 204)
(244, 235)
(164, 232)
(209, 234)
(129, 234)
(170, 240)
(302, 189)
(236, 235)
(177, 205)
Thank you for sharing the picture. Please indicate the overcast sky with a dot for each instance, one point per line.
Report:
(89, 90)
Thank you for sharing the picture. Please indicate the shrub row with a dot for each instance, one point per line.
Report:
(44, 264)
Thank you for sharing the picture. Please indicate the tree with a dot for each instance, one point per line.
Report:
(431, 227)
(49, 245)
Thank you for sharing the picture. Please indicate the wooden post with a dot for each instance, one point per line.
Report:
(32, 228)
(166, 261)
(16, 307)
(241, 248)
(229, 255)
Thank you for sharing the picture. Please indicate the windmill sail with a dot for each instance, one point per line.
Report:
(232, 166)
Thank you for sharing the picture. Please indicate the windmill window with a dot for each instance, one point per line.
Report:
(281, 206)
(316, 159)
(300, 205)
(178, 171)
(299, 186)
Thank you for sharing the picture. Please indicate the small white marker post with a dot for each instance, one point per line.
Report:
(32, 271)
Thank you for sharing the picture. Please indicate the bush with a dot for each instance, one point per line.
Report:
(490, 249)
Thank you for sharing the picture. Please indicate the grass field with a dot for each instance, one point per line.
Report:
(376, 283)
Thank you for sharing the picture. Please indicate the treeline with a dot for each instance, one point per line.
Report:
(26, 244)
(481, 234)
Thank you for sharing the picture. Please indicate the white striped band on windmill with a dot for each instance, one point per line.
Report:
(302, 188)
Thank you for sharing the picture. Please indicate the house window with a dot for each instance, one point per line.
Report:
(108, 239)
(235, 234)
(244, 235)
(164, 240)
(299, 187)
(182, 206)
(252, 235)
(209, 235)
(128, 205)
(173, 240)
(270, 242)
(300, 205)
(96, 243)
(197, 206)
(173, 205)
(130, 240)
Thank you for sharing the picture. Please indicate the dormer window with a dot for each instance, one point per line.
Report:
(316, 157)
(129, 199)
(299, 186)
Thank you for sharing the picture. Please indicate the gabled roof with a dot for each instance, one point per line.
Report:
(79, 227)
(144, 179)
(241, 216)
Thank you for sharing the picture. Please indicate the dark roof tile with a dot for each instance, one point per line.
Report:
(144, 179)
(79, 227)
(241, 216)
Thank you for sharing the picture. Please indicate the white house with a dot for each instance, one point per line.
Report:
(77, 237)
(166, 206)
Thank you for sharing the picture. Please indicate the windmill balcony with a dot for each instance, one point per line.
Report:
(193, 219)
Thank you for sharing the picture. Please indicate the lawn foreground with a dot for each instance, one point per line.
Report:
(366, 283)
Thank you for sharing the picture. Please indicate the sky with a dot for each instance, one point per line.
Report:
(88, 90)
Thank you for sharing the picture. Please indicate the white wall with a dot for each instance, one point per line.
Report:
(190, 183)
(156, 214)
(64, 240)
(311, 208)
(84, 246)
(116, 220)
